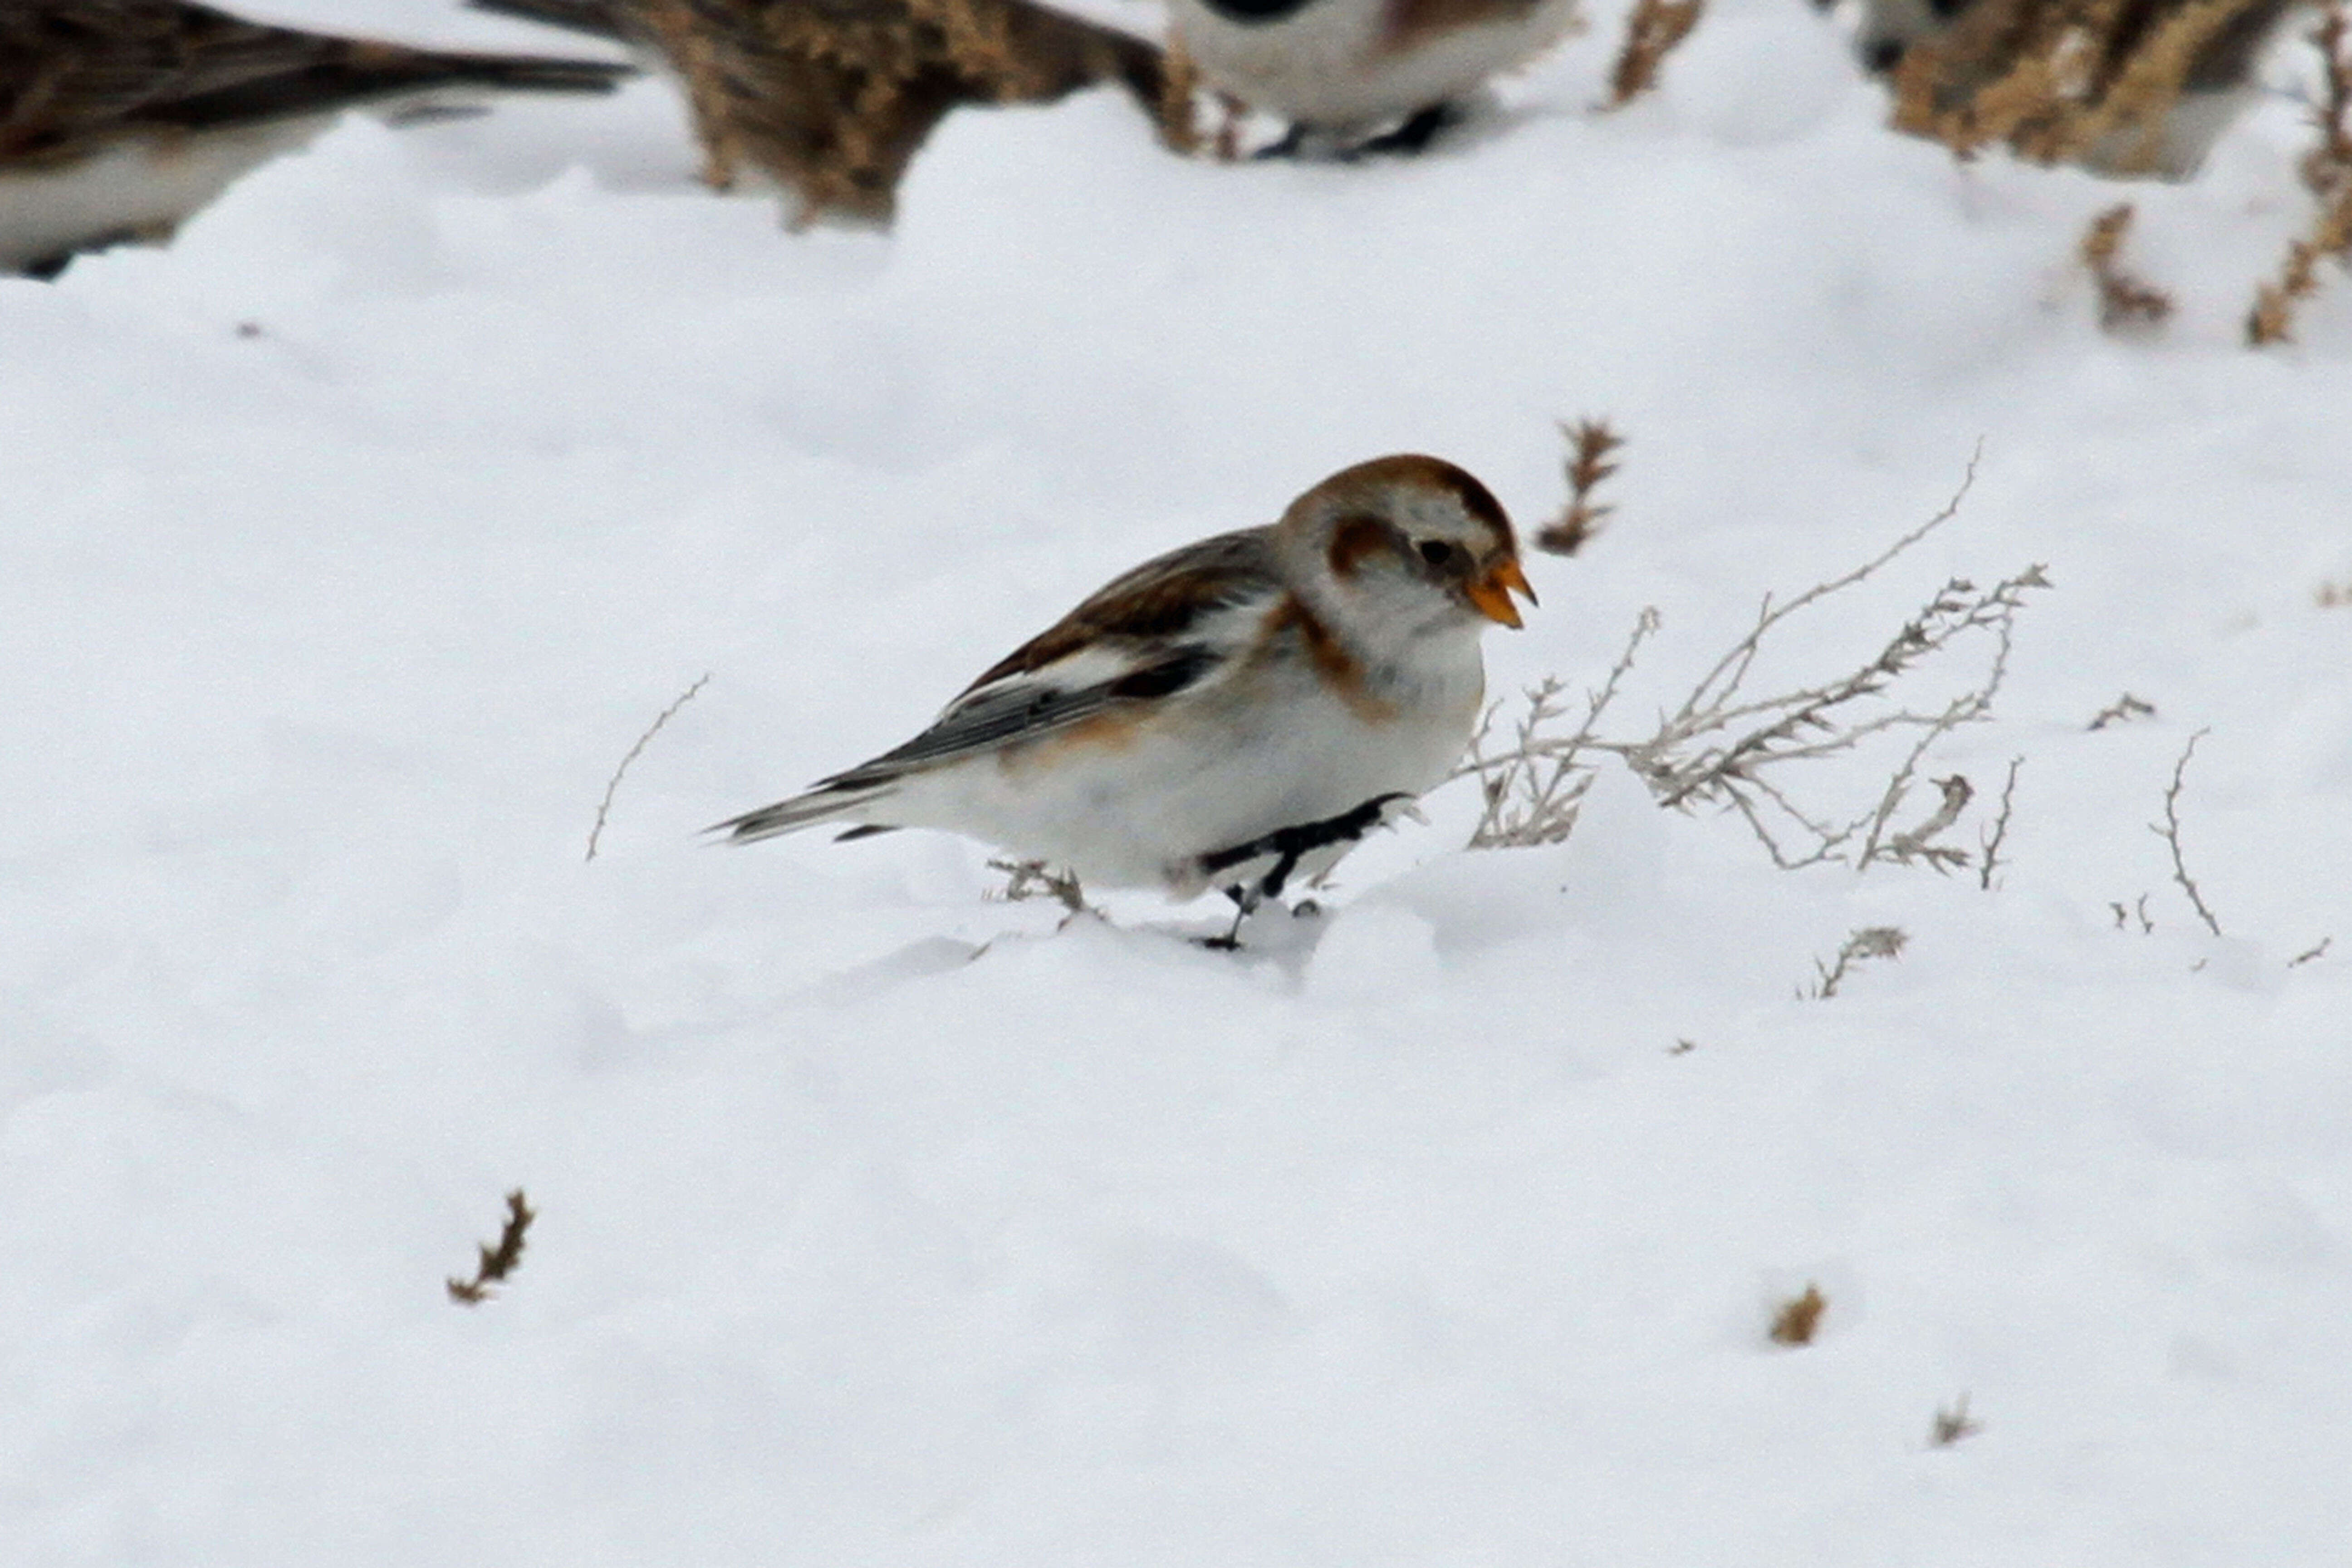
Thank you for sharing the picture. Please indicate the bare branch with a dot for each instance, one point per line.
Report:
(2169, 831)
(1861, 946)
(2311, 953)
(1998, 835)
(1534, 789)
(2122, 709)
(1722, 749)
(605, 806)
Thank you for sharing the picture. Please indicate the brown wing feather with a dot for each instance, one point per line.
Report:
(73, 70)
(1159, 601)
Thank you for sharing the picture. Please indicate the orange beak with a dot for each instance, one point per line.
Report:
(1492, 593)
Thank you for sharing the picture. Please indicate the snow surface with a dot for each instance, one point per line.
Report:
(356, 537)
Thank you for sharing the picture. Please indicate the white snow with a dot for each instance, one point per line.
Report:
(354, 538)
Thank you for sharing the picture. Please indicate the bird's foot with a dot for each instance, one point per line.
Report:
(1267, 863)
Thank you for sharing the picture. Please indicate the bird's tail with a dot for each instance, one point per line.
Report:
(598, 18)
(829, 803)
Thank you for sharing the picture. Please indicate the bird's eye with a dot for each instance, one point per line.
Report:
(1436, 551)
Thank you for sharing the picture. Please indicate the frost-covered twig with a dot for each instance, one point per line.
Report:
(605, 806)
(2126, 303)
(2169, 831)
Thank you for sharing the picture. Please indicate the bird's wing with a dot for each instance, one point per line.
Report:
(832, 97)
(1169, 626)
(71, 70)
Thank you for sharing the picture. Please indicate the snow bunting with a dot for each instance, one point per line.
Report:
(2192, 61)
(831, 99)
(120, 119)
(1341, 69)
(1234, 714)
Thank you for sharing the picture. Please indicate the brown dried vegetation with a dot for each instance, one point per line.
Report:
(1800, 1318)
(2084, 81)
(497, 1261)
(1592, 446)
(2124, 302)
(2327, 171)
(1651, 31)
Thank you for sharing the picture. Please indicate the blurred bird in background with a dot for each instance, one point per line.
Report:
(121, 119)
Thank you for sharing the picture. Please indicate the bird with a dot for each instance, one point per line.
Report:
(831, 99)
(2143, 88)
(1236, 714)
(121, 119)
(1354, 76)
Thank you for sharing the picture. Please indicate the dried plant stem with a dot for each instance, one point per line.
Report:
(1651, 31)
(1722, 748)
(2124, 302)
(2121, 709)
(1861, 946)
(605, 806)
(1998, 835)
(2313, 954)
(2169, 831)
(495, 1262)
(1592, 446)
(1534, 790)
(1953, 1424)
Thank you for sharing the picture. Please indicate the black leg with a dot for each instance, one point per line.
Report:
(1292, 141)
(1416, 135)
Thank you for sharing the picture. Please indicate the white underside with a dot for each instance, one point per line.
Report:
(1249, 759)
(1325, 66)
(139, 188)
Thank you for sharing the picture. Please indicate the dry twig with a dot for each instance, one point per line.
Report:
(1953, 1424)
(1534, 788)
(2327, 170)
(2124, 302)
(2123, 708)
(1861, 946)
(1026, 879)
(605, 806)
(1991, 839)
(1651, 31)
(2169, 831)
(2311, 954)
(495, 1262)
(1721, 747)
(1592, 446)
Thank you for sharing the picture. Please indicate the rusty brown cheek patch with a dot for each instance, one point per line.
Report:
(1355, 538)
